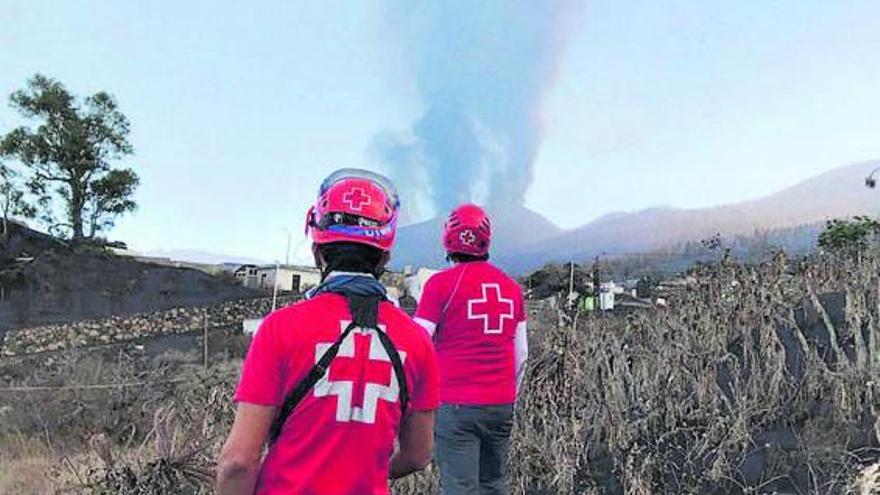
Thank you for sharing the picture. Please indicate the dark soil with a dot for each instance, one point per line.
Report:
(45, 281)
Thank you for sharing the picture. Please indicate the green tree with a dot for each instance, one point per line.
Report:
(69, 154)
(13, 201)
(111, 197)
(849, 236)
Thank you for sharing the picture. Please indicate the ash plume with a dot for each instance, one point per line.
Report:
(482, 70)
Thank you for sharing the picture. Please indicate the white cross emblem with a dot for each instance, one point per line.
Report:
(467, 237)
(343, 389)
(491, 311)
(357, 199)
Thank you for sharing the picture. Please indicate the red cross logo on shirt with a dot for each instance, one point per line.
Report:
(467, 237)
(356, 199)
(359, 376)
(491, 308)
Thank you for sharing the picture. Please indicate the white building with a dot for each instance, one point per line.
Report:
(247, 275)
(606, 301)
(612, 287)
(290, 278)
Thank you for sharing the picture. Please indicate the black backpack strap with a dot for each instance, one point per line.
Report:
(303, 387)
(397, 365)
(364, 314)
(365, 311)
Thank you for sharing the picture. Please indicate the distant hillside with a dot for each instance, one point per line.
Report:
(835, 194)
(44, 281)
(526, 240)
(204, 257)
(420, 244)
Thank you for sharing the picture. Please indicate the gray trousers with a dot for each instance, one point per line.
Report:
(472, 443)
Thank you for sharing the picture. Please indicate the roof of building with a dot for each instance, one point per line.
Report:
(628, 301)
(296, 268)
(242, 267)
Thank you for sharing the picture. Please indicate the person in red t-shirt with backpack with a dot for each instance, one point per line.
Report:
(344, 384)
(476, 315)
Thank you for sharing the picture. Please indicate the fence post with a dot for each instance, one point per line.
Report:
(205, 340)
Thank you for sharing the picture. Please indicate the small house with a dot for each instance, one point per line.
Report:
(247, 276)
(606, 301)
(289, 278)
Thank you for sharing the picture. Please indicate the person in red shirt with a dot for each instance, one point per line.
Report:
(476, 315)
(344, 384)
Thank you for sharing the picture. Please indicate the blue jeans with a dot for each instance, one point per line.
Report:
(472, 443)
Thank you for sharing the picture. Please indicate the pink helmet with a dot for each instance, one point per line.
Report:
(467, 231)
(355, 206)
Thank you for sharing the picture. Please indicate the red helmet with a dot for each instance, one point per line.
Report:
(355, 206)
(467, 231)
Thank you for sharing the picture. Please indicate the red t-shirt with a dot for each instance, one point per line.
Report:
(476, 309)
(340, 437)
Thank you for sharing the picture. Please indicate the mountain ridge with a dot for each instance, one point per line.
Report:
(837, 193)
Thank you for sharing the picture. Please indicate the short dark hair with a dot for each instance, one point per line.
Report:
(351, 257)
(466, 258)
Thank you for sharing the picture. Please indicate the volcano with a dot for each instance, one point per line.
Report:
(420, 244)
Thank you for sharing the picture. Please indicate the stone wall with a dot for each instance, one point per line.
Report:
(116, 329)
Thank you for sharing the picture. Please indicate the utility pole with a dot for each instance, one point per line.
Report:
(275, 286)
(205, 340)
(597, 283)
(287, 252)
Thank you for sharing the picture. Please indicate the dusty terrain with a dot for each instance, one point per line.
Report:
(750, 382)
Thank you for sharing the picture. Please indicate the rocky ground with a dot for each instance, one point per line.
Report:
(116, 329)
(753, 382)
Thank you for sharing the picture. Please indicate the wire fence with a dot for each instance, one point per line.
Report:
(123, 343)
(214, 311)
(410, 309)
(97, 386)
(101, 386)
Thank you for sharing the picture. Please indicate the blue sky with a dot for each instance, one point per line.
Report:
(239, 110)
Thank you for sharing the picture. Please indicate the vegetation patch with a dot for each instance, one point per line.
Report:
(756, 379)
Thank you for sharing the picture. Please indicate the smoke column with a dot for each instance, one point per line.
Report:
(482, 69)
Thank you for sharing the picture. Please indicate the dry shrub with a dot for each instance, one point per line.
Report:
(867, 482)
(747, 383)
(71, 414)
(159, 437)
(177, 454)
(177, 462)
(24, 462)
(724, 392)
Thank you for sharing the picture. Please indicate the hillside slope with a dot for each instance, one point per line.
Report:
(44, 281)
(835, 194)
(420, 244)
